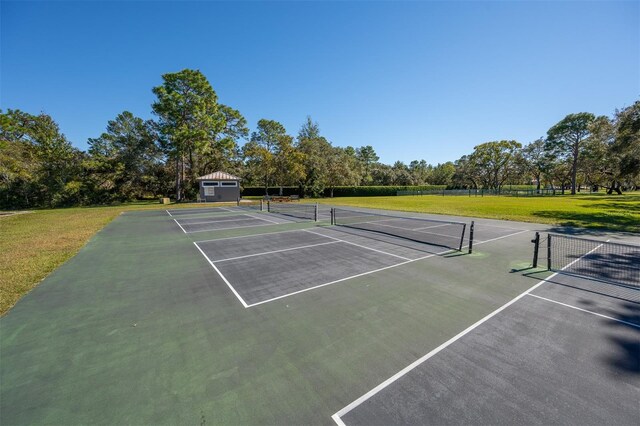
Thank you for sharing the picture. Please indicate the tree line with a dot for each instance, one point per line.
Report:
(193, 134)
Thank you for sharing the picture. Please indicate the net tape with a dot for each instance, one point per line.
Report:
(300, 211)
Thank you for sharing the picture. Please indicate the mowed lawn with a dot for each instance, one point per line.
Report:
(599, 211)
(35, 244)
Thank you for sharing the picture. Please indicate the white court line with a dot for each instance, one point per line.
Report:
(168, 213)
(180, 226)
(358, 245)
(231, 227)
(268, 220)
(275, 251)
(249, 236)
(230, 219)
(222, 276)
(585, 310)
(337, 416)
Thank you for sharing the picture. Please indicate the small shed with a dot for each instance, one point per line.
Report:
(219, 186)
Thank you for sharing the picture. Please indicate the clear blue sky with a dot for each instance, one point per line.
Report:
(416, 80)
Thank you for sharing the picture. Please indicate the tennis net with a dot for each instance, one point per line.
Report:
(428, 231)
(606, 261)
(300, 211)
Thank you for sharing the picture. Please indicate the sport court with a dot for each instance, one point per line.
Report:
(238, 315)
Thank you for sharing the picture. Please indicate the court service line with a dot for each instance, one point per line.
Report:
(224, 219)
(168, 213)
(275, 251)
(231, 227)
(180, 226)
(222, 276)
(337, 416)
(268, 220)
(585, 310)
(358, 245)
(249, 236)
(346, 278)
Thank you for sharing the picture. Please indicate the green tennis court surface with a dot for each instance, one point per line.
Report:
(239, 316)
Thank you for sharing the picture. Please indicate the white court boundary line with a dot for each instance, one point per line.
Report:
(586, 310)
(178, 223)
(337, 416)
(275, 251)
(168, 213)
(222, 276)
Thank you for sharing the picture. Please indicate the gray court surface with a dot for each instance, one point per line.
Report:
(566, 352)
(223, 222)
(267, 267)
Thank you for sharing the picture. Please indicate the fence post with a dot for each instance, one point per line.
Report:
(261, 205)
(549, 252)
(536, 241)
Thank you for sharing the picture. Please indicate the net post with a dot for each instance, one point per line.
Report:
(315, 213)
(261, 205)
(536, 242)
(269, 206)
(471, 228)
(333, 216)
(548, 252)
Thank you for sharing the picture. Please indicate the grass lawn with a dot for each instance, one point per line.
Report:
(618, 213)
(35, 244)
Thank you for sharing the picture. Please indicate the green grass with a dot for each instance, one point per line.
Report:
(34, 244)
(617, 213)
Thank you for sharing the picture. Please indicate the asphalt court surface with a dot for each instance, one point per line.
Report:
(566, 352)
(270, 266)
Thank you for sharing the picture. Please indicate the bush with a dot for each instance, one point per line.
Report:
(258, 191)
(376, 191)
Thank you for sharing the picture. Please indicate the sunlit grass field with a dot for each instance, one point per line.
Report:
(34, 244)
(600, 211)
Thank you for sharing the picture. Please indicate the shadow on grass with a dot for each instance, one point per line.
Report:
(596, 220)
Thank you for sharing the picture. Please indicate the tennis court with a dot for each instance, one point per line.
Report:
(307, 315)
(566, 351)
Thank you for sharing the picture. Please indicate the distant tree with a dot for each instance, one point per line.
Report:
(189, 120)
(401, 174)
(125, 157)
(367, 157)
(420, 172)
(442, 174)
(288, 164)
(626, 144)
(340, 170)
(495, 162)
(534, 160)
(317, 150)
(565, 140)
(38, 162)
(264, 146)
